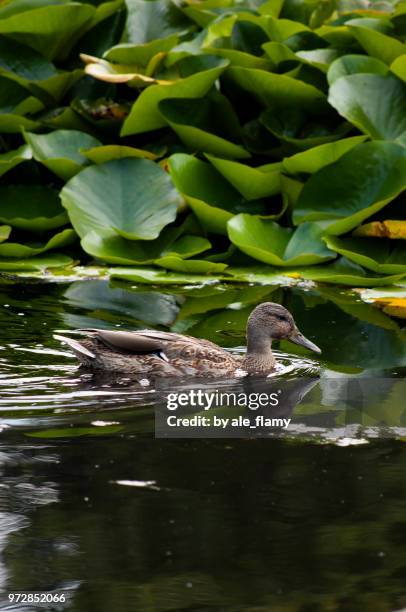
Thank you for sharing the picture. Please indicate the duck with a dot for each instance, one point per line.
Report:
(158, 353)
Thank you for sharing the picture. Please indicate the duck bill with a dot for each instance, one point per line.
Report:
(298, 338)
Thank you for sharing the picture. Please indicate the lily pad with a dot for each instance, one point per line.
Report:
(104, 153)
(41, 262)
(398, 67)
(377, 255)
(145, 116)
(149, 20)
(13, 158)
(5, 231)
(209, 195)
(374, 103)
(34, 208)
(278, 90)
(314, 159)
(278, 246)
(118, 250)
(140, 53)
(154, 276)
(252, 183)
(345, 272)
(191, 266)
(377, 44)
(60, 240)
(60, 150)
(204, 126)
(357, 185)
(133, 198)
(51, 30)
(355, 64)
(13, 124)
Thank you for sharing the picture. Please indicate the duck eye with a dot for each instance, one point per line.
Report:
(281, 317)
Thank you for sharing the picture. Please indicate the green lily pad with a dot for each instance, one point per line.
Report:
(60, 240)
(299, 131)
(355, 64)
(5, 231)
(353, 188)
(51, 30)
(202, 126)
(140, 53)
(59, 150)
(377, 255)
(375, 104)
(118, 250)
(278, 90)
(54, 260)
(398, 67)
(278, 246)
(252, 183)
(145, 116)
(105, 153)
(13, 124)
(208, 194)
(345, 272)
(13, 158)
(148, 20)
(314, 159)
(190, 266)
(133, 198)
(154, 276)
(377, 44)
(35, 208)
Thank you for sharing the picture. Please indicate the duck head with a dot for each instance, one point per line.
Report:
(267, 322)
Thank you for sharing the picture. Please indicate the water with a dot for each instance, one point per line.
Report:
(308, 518)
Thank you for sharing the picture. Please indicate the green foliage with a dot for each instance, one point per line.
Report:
(199, 139)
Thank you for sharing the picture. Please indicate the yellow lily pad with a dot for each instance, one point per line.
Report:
(382, 229)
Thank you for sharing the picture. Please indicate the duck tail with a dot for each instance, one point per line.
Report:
(80, 351)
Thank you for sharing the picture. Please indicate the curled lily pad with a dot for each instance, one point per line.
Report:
(150, 20)
(133, 198)
(140, 54)
(398, 67)
(252, 183)
(35, 208)
(104, 153)
(145, 115)
(5, 231)
(117, 73)
(357, 185)
(60, 150)
(202, 125)
(355, 64)
(373, 103)
(13, 158)
(380, 256)
(278, 90)
(52, 30)
(396, 230)
(314, 159)
(377, 44)
(278, 246)
(60, 240)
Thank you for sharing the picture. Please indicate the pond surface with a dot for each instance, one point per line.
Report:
(312, 517)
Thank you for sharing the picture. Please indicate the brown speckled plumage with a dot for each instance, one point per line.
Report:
(154, 353)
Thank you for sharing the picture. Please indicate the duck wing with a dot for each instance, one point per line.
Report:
(165, 344)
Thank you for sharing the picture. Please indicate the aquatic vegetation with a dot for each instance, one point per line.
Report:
(183, 141)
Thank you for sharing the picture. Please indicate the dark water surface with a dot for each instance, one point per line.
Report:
(309, 518)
